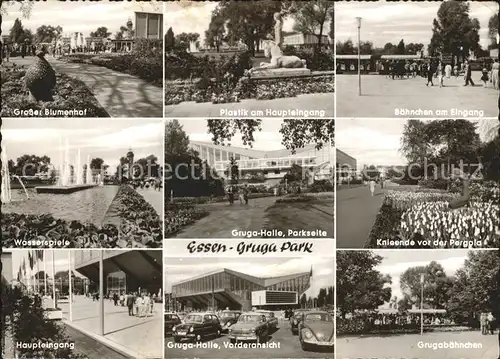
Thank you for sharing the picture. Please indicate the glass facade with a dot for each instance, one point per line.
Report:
(116, 282)
(281, 297)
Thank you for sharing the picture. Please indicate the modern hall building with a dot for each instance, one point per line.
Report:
(272, 165)
(226, 288)
(124, 271)
(345, 166)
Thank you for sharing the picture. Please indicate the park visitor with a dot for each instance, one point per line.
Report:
(468, 74)
(430, 74)
(130, 304)
(494, 74)
(372, 187)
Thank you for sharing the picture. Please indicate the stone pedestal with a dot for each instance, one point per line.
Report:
(282, 72)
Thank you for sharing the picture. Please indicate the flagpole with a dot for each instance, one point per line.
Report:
(422, 304)
(54, 277)
(101, 292)
(70, 288)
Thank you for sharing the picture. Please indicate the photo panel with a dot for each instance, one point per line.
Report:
(417, 183)
(82, 183)
(417, 303)
(227, 307)
(254, 59)
(111, 308)
(86, 60)
(250, 178)
(417, 59)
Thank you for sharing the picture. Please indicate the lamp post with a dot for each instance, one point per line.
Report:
(358, 19)
(422, 277)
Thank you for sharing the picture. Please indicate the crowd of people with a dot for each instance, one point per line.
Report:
(138, 304)
(401, 69)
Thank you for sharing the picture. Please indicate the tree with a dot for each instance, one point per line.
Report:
(436, 286)
(400, 49)
(490, 159)
(413, 49)
(48, 33)
(345, 48)
(169, 40)
(149, 165)
(476, 287)
(25, 7)
(96, 163)
(321, 301)
(215, 34)
(29, 165)
(186, 174)
(303, 300)
(359, 285)
(184, 40)
(248, 21)
(370, 173)
(453, 141)
(296, 133)
(232, 171)
(311, 17)
(101, 31)
(493, 31)
(295, 174)
(17, 32)
(415, 144)
(454, 32)
(332, 25)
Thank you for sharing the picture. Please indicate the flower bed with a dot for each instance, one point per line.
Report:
(425, 216)
(20, 227)
(177, 92)
(178, 216)
(141, 225)
(206, 199)
(69, 94)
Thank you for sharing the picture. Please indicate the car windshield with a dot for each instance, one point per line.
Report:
(266, 314)
(249, 318)
(171, 317)
(192, 318)
(318, 317)
(228, 315)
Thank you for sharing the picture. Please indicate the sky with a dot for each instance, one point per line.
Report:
(390, 22)
(268, 139)
(377, 141)
(78, 16)
(108, 140)
(195, 17)
(396, 262)
(61, 261)
(178, 269)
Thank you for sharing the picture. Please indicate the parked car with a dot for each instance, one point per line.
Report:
(316, 330)
(295, 320)
(228, 318)
(170, 321)
(197, 326)
(250, 326)
(272, 321)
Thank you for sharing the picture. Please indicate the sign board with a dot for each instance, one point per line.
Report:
(494, 53)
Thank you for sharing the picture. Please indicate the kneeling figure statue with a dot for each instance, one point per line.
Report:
(278, 60)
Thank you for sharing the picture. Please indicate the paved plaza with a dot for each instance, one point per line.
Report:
(154, 198)
(356, 213)
(257, 108)
(120, 94)
(136, 337)
(382, 96)
(410, 346)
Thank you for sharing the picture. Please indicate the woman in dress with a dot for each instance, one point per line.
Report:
(485, 77)
(372, 187)
(440, 72)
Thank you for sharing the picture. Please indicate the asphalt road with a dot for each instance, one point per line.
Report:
(287, 346)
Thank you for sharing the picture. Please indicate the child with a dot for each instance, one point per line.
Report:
(485, 77)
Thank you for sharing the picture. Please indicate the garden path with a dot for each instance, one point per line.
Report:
(256, 108)
(121, 95)
(356, 213)
(154, 198)
(224, 218)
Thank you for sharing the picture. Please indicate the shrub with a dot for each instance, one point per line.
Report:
(148, 48)
(434, 183)
(178, 216)
(321, 186)
(316, 60)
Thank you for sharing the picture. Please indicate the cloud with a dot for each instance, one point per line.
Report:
(411, 21)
